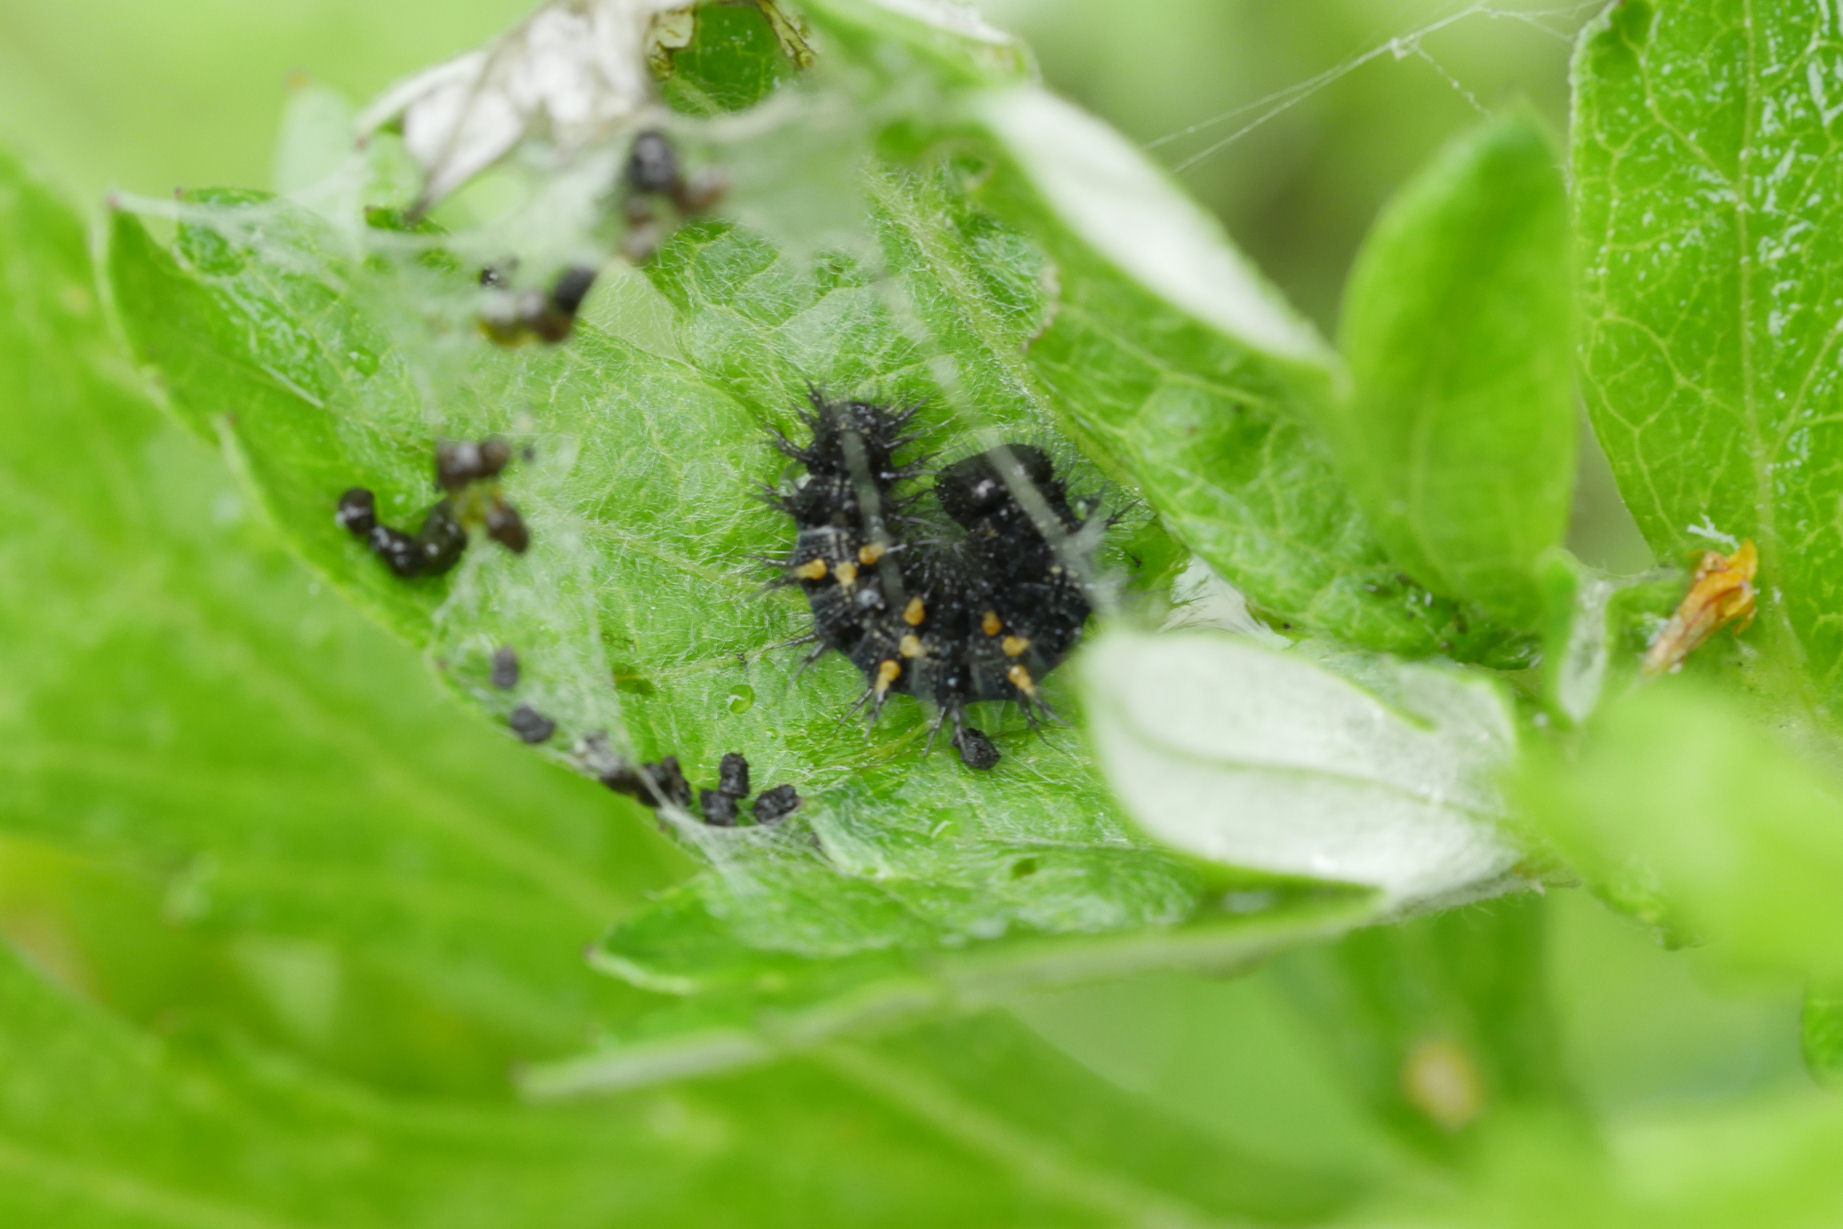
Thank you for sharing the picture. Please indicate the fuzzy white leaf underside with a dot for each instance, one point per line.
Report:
(1260, 757)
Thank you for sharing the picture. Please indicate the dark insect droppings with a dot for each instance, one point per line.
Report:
(495, 455)
(531, 725)
(571, 288)
(358, 511)
(551, 317)
(654, 175)
(510, 317)
(664, 784)
(625, 779)
(399, 550)
(776, 804)
(976, 750)
(718, 807)
(665, 781)
(653, 164)
(467, 472)
(733, 775)
(505, 667)
(441, 540)
(505, 526)
(459, 462)
(595, 755)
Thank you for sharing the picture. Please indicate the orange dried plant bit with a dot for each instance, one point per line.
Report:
(1720, 593)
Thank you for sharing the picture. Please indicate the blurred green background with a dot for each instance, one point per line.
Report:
(149, 95)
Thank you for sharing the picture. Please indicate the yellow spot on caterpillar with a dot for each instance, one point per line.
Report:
(812, 569)
(868, 555)
(887, 673)
(1720, 593)
(914, 613)
(911, 645)
(1014, 646)
(990, 624)
(1020, 679)
(847, 573)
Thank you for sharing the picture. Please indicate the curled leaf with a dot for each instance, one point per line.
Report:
(1261, 758)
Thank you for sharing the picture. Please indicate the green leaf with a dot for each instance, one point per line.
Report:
(1459, 439)
(1087, 293)
(1741, 833)
(897, 38)
(180, 694)
(1705, 160)
(638, 611)
(1821, 1031)
(975, 270)
(917, 853)
(262, 789)
(763, 983)
(977, 1125)
(732, 60)
(321, 360)
(1257, 757)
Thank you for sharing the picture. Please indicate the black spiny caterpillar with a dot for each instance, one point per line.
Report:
(981, 609)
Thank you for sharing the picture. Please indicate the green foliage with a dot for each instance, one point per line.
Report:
(415, 930)
(1704, 164)
(1744, 836)
(179, 689)
(1701, 152)
(1444, 1024)
(100, 1126)
(730, 61)
(307, 351)
(1174, 365)
(1823, 1032)
(674, 596)
(746, 1004)
(1251, 756)
(298, 933)
(1460, 439)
